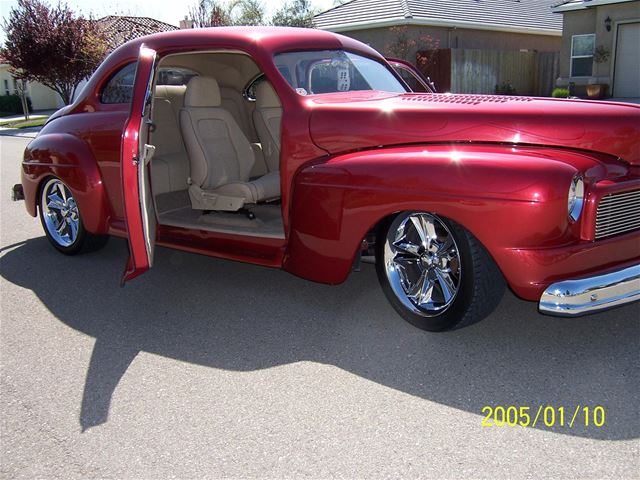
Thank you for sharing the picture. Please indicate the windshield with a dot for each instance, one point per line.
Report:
(329, 71)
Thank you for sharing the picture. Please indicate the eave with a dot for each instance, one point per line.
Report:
(585, 5)
(394, 22)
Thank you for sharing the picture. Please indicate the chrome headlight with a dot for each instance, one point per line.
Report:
(576, 198)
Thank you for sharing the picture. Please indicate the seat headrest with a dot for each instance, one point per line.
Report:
(202, 92)
(266, 96)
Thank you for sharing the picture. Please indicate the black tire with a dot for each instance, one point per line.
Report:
(480, 284)
(80, 241)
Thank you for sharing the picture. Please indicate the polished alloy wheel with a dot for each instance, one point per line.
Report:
(60, 213)
(422, 263)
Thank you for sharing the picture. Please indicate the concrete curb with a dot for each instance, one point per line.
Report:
(29, 132)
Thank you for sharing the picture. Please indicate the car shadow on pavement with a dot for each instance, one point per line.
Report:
(240, 317)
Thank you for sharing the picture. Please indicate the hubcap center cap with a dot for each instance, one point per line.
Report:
(429, 260)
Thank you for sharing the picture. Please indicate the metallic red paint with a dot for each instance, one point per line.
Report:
(500, 166)
(390, 119)
(512, 199)
(67, 157)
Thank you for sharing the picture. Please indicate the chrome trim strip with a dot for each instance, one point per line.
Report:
(587, 295)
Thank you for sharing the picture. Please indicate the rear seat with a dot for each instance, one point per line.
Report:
(170, 164)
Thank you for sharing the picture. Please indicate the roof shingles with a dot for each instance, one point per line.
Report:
(121, 29)
(525, 14)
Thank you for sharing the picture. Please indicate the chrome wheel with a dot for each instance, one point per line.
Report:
(422, 264)
(60, 213)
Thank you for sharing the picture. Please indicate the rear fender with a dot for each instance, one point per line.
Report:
(506, 197)
(70, 159)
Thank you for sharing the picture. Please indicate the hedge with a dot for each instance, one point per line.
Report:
(13, 104)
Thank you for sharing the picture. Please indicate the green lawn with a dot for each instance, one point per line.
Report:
(37, 122)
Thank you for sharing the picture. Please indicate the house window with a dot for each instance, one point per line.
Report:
(582, 47)
(6, 87)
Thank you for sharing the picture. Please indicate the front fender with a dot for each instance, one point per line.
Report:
(506, 197)
(70, 159)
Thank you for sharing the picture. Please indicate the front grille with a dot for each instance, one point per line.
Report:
(618, 213)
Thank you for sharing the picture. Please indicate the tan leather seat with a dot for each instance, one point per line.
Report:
(220, 155)
(267, 118)
(170, 165)
(234, 103)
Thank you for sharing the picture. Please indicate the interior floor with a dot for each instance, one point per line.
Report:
(174, 209)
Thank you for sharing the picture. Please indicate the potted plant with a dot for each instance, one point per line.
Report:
(596, 90)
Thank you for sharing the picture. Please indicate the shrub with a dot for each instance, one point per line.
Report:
(505, 89)
(560, 93)
(13, 104)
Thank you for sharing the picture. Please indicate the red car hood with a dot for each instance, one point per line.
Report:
(343, 122)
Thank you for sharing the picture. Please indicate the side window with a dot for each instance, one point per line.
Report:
(410, 78)
(119, 88)
(174, 76)
(249, 92)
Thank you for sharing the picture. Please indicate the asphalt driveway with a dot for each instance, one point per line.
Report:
(209, 368)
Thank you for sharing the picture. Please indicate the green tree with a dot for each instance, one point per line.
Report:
(296, 13)
(217, 13)
(210, 13)
(248, 12)
(52, 46)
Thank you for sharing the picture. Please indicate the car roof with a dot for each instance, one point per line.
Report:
(259, 42)
(272, 39)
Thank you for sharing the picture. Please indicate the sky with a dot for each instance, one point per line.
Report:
(169, 11)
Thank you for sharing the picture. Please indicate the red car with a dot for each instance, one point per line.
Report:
(304, 150)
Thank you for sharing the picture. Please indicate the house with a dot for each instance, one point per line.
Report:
(600, 46)
(42, 98)
(460, 24)
(118, 30)
(472, 46)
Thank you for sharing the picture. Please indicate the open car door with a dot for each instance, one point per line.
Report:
(136, 153)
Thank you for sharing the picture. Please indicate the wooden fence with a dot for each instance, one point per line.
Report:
(479, 71)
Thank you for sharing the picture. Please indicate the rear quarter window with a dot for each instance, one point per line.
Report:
(119, 88)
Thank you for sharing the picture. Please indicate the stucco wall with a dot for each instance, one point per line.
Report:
(42, 98)
(380, 38)
(592, 20)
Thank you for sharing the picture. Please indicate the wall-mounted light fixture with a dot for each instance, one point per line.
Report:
(607, 24)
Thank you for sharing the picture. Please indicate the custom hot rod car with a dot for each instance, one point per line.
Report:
(304, 150)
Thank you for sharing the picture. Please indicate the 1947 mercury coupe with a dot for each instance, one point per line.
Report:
(305, 150)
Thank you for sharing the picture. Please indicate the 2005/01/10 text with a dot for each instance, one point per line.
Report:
(549, 416)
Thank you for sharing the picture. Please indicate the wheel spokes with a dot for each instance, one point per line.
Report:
(408, 248)
(61, 226)
(420, 229)
(55, 202)
(423, 263)
(63, 191)
(415, 290)
(73, 229)
(445, 282)
(60, 213)
(445, 246)
(426, 293)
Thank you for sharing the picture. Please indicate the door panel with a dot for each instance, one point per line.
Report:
(140, 216)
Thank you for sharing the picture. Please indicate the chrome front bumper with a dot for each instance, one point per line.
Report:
(586, 295)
